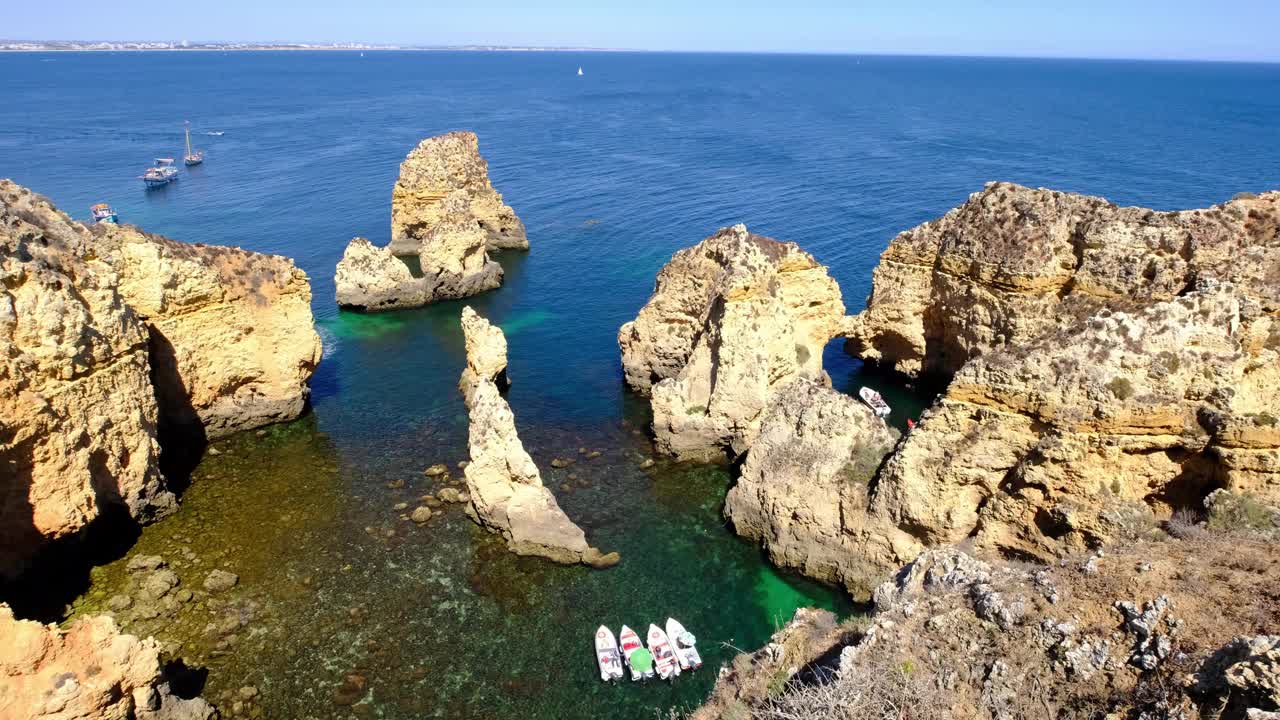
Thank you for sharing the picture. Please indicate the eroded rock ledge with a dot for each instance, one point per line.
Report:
(110, 334)
(1015, 264)
(90, 670)
(731, 320)
(445, 212)
(506, 490)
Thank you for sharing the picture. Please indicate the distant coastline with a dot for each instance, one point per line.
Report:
(164, 46)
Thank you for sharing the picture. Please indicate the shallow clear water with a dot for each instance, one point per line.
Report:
(611, 172)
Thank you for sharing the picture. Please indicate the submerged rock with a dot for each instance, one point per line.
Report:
(436, 169)
(220, 581)
(731, 320)
(90, 670)
(504, 486)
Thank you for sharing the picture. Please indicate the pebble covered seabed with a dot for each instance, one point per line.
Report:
(343, 605)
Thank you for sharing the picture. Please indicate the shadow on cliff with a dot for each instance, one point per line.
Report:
(180, 431)
(40, 584)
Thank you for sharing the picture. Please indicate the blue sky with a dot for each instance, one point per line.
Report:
(1169, 29)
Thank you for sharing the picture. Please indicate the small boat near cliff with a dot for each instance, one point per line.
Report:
(684, 642)
(638, 659)
(102, 213)
(607, 656)
(193, 157)
(663, 655)
(875, 401)
(160, 174)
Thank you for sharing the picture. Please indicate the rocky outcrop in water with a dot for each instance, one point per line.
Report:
(445, 211)
(506, 491)
(109, 334)
(731, 320)
(436, 169)
(451, 257)
(1014, 264)
(89, 671)
(807, 474)
(77, 411)
(233, 342)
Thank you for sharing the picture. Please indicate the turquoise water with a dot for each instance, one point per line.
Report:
(611, 173)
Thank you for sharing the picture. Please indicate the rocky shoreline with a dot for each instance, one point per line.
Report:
(1106, 441)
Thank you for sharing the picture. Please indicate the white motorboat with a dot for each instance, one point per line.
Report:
(579, 72)
(638, 659)
(664, 657)
(684, 642)
(875, 401)
(607, 655)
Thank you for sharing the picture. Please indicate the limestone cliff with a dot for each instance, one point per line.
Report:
(436, 168)
(89, 671)
(233, 343)
(77, 412)
(1015, 264)
(731, 320)
(806, 475)
(506, 490)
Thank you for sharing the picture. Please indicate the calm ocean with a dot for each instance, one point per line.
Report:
(611, 172)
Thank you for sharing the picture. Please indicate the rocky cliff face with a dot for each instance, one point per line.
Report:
(233, 343)
(506, 490)
(808, 474)
(109, 333)
(434, 170)
(1015, 264)
(731, 320)
(90, 670)
(77, 412)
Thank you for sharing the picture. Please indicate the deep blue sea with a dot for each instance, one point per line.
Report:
(611, 172)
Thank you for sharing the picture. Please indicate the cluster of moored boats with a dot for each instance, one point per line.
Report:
(164, 172)
(669, 652)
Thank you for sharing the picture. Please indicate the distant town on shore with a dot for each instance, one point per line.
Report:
(136, 45)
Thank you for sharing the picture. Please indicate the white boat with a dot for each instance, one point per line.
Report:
(638, 659)
(607, 655)
(579, 72)
(873, 399)
(684, 642)
(215, 133)
(193, 157)
(664, 657)
(160, 174)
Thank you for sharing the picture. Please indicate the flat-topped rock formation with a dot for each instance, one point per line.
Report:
(110, 334)
(731, 320)
(90, 670)
(445, 211)
(507, 494)
(233, 341)
(1015, 264)
(438, 167)
(77, 410)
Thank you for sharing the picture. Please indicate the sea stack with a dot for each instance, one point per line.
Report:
(110, 335)
(433, 171)
(731, 320)
(507, 494)
(445, 211)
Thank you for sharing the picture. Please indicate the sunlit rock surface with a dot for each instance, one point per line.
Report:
(77, 411)
(731, 320)
(507, 494)
(434, 170)
(89, 671)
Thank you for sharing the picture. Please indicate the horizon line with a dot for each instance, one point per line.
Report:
(356, 45)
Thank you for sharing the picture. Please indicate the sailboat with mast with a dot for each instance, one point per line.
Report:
(193, 157)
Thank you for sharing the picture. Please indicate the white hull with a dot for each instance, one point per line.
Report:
(874, 401)
(664, 657)
(607, 655)
(631, 643)
(687, 654)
